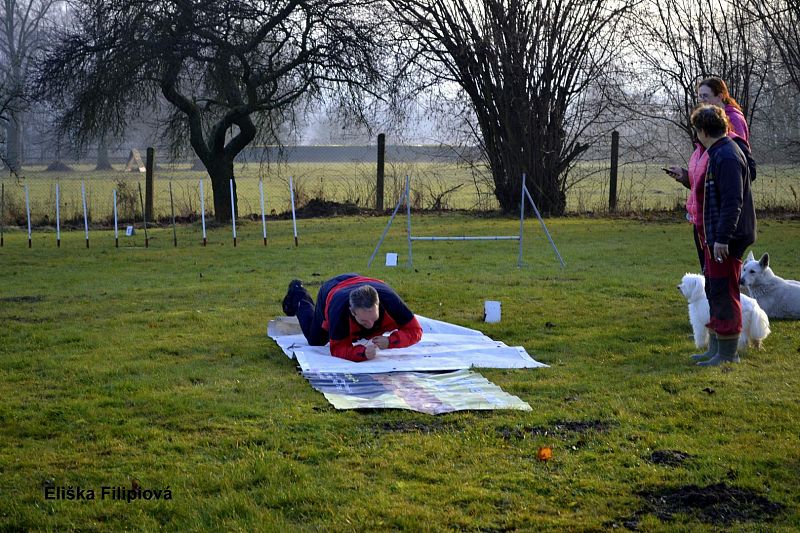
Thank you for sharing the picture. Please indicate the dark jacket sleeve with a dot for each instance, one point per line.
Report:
(729, 184)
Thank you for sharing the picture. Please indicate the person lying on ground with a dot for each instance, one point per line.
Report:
(351, 307)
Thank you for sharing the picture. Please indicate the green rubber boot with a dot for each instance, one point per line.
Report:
(727, 352)
(713, 346)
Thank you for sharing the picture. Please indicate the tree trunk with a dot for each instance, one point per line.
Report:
(542, 182)
(13, 144)
(221, 172)
(103, 162)
(537, 154)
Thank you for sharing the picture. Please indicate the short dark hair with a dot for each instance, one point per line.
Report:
(710, 119)
(363, 297)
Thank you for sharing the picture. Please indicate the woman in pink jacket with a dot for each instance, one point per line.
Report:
(709, 91)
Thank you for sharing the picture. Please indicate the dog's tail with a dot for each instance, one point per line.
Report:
(760, 324)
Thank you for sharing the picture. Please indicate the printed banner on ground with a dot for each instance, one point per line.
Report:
(424, 392)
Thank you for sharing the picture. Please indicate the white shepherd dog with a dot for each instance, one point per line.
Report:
(755, 324)
(779, 297)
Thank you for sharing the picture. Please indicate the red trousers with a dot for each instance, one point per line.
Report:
(722, 291)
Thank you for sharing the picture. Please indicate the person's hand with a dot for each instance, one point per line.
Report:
(371, 350)
(678, 174)
(381, 342)
(675, 171)
(720, 252)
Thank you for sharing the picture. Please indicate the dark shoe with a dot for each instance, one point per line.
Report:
(726, 354)
(712, 349)
(294, 295)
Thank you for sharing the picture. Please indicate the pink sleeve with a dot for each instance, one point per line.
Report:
(738, 122)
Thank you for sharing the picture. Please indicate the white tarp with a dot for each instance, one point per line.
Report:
(443, 346)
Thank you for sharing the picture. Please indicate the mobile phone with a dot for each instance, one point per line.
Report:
(668, 171)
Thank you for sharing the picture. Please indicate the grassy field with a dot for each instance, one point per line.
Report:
(641, 188)
(151, 367)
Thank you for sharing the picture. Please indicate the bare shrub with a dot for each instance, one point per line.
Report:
(14, 207)
(127, 200)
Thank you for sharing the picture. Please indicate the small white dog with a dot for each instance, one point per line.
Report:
(755, 324)
(779, 297)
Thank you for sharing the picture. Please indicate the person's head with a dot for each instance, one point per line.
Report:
(710, 123)
(364, 305)
(714, 91)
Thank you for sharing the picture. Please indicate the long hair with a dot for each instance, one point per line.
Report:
(717, 85)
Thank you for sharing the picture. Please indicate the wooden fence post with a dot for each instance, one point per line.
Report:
(379, 184)
(148, 183)
(612, 188)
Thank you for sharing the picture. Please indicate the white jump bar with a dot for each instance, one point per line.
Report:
(481, 238)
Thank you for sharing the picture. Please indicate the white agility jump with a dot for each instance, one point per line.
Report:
(405, 197)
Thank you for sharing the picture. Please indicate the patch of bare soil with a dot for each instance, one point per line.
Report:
(669, 457)
(559, 428)
(22, 299)
(718, 505)
(58, 166)
(406, 426)
(25, 319)
(316, 208)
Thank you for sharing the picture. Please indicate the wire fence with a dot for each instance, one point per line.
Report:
(439, 181)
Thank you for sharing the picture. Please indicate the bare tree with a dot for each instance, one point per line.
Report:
(679, 42)
(230, 71)
(21, 35)
(6, 100)
(524, 65)
(781, 19)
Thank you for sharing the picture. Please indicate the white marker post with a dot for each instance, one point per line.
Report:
(2, 211)
(116, 227)
(144, 216)
(58, 215)
(203, 211)
(85, 215)
(491, 311)
(172, 209)
(28, 212)
(294, 219)
(233, 214)
(263, 216)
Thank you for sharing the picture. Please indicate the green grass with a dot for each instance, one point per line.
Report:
(153, 365)
(640, 188)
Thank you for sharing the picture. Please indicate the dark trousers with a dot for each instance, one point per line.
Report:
(722, 291)
(312, 316)
(701, 252)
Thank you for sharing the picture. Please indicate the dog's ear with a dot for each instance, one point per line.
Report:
(699, 287)
(764, 261)
(749, 257)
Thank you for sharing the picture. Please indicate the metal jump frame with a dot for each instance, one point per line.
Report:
(406, 197)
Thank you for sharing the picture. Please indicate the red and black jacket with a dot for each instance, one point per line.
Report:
(393, 315)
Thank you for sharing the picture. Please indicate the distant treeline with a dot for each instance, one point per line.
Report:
(330, 154)
(360, 154)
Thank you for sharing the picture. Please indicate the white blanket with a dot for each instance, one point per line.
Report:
(443, 346)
